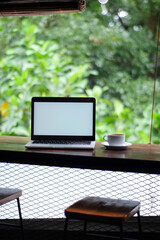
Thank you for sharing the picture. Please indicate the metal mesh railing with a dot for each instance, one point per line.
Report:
(47, 191)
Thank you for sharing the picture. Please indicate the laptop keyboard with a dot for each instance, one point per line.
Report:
(61, 142)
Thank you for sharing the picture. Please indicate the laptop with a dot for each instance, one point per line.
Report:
(62, 123)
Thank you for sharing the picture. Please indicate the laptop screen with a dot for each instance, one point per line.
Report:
(63, 118)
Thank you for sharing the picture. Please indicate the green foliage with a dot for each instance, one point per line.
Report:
(108, 57)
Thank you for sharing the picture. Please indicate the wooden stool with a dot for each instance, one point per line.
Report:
(7, 195)
(104, 210)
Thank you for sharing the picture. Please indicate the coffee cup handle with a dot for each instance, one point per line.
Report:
(104, 137)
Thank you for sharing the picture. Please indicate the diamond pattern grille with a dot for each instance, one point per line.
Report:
(47, 191)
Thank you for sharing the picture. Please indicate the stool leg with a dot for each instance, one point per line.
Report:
(85, 227)
(20, 217)
(139, 224)
(65, 228)
(121, 230)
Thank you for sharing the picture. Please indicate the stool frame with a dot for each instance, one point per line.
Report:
(20, 215)
(120, 224)
(103, 210)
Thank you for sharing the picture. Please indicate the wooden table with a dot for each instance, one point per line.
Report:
(141, 158)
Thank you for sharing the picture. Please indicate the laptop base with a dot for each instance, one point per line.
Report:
(32, 145)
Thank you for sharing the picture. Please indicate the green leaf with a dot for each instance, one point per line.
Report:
(118, 106)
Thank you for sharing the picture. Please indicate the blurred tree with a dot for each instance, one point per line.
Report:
(107, 56)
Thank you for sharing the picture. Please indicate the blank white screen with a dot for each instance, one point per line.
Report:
(63, 119)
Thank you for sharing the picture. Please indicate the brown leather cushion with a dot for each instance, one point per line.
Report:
(100, 209)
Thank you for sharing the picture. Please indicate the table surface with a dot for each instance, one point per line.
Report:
(141, 158)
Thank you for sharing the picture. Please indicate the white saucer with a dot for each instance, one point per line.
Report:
(121, 147)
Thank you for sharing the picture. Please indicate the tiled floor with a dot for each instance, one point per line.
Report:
(52, 229)
(53, 235)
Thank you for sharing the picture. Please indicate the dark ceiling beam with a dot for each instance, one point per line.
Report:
(39, 7)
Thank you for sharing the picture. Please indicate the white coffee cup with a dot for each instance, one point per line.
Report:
(115, 139)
